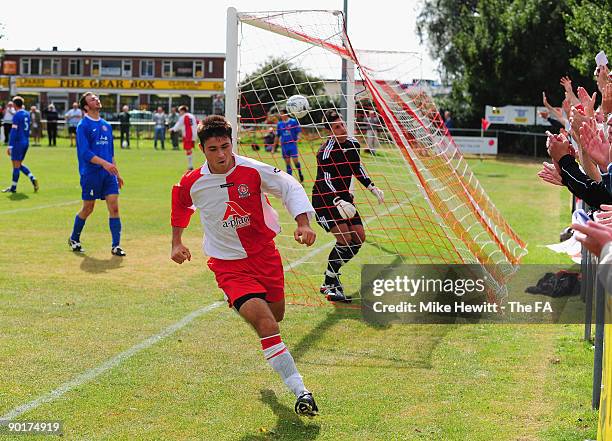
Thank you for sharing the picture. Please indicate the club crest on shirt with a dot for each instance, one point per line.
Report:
(104, 129)
(243, 191)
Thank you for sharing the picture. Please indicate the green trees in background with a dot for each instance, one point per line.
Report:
(501, 52)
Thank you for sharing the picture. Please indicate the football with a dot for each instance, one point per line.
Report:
(297, 105)
(124, 144)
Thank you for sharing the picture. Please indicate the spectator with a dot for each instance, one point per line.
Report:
(35, 125)
(7, 120)
(159, 130)
(124, 127)
(52, 117)
(172, 120)
(372, 124)
(448, 121)
(218, 105)
(73, 117)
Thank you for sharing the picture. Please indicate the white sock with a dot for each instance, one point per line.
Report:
(280, 359)
(190, 161)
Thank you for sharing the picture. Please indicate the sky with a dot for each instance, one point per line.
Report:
(145, 26)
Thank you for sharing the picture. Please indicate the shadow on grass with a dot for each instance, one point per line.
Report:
(415, 343)
(289, 426)
(99, 266)
(18, 196)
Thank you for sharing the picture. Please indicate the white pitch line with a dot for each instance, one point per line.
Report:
(92, 373)
(109, 364)
(38, 207)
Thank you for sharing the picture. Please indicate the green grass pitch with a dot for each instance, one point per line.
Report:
(62, 314)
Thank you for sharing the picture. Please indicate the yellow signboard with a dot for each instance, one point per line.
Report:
(122, 84)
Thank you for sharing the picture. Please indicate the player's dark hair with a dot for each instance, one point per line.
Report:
(283, 111)
(183, 107)
(329, 117)
(83, 100)
(214, 126)
(18, 101)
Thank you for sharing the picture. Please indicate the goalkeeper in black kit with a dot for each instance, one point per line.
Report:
(338, 160)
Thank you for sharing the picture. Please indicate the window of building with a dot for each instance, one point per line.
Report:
(147, 69)
(110, 68)
(95, 68)
(202, 105)
(167, 69)
(25, 66)
(198, 68)
(49, 66)
(156, 101)
(40, 66)
(183, 69)
(75, 67)
(127, 68)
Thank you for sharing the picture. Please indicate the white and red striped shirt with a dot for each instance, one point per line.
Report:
(188, 125)
(236, 215)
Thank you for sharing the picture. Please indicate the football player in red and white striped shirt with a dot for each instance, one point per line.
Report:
(188, 126)
(239, 229)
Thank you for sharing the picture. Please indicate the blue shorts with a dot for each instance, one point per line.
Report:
(290, 150)
(98, 184)
(18, 153)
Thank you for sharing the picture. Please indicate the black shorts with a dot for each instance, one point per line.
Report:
(71, 129)
(328, 215)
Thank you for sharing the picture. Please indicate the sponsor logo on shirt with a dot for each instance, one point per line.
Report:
(243, 191)
(235, 216)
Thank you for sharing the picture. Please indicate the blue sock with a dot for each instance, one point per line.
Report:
(299, 168)
(115, 226)
(77, 228)
(26, 171)
(15, 178)
(289, 169)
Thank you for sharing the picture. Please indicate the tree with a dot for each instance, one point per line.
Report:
(498, 52)
(589, 27)
(273, 82)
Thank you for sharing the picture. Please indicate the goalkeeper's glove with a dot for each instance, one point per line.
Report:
(346, 209)
(380, 195)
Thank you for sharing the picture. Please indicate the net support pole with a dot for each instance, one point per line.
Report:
(586, 298)
(350, 98)
(231, 74)
(600, 305)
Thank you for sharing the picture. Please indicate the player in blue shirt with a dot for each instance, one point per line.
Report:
(99, 174)
(288, 134)
(19, 141)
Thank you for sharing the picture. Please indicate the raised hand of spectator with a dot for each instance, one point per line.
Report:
(604, 217)
(569, 92)
(566, 82)
(594, 142)
(558, 146)
(593, 236)
(588, 102)
(550, 173)
(577, 118)
(602, 77)
(606, 102)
